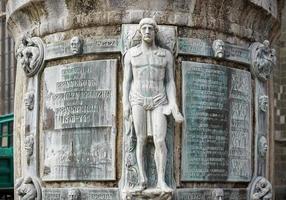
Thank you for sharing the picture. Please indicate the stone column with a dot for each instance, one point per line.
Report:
(70, 139)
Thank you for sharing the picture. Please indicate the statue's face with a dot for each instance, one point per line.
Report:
(218, 194)
(29, 101)
(219, 49)
(73, 195)
(263, 146)
(263, 103)
(148, 33)
(75, 45)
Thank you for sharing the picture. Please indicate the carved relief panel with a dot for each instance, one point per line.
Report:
(79, 121)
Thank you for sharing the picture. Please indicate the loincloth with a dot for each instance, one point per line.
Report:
(149, 104)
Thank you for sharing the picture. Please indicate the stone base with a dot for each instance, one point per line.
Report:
(150, 193)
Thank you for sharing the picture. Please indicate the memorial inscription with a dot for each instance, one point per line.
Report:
(85, 193)
(79, 117)
(96, 45)
(211, 194)
(217, 130)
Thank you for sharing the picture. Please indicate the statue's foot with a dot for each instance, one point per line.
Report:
(142, 186)
(164, 187)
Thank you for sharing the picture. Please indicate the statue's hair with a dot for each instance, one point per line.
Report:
(150, 21)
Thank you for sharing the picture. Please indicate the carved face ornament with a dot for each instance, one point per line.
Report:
(29, 100)
(218, 47)
(217, 194)
(263, 103)
(263, 146)
(76, 45)
(74, 194)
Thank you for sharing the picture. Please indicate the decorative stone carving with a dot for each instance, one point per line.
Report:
(30, 54)
(149, 95)
(263, 103)
(218, 48)
(76, 45)
(262, 146)
(217, 194)
(29, 147)
(261, 189)
(263, 60)
(74, 194)
(28, 188)
(29, 100)
(165, 37)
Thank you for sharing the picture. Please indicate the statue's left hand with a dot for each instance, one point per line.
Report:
(175, 112)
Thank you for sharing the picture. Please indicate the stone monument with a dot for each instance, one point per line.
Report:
(149, 95)
(101, 85)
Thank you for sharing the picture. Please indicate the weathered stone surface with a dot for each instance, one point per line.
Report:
(95, 45)
(206, 194)
(261, 128)
(217, 132)
(85, 193)
(193, 46)
(79, 121)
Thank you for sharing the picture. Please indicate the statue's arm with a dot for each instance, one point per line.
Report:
(171, 90)
(127, 79)
(170, 83)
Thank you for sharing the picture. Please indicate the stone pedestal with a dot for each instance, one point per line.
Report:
(70, 134)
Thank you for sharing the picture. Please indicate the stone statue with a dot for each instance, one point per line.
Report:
(217, 194)
(28, 188)
(262, 146)
(74, 194)
(30, 54)
(149, 95)
(263, 60)
(29, 147)
(262, 189)
(29, 100)
(218, 48)
(263, 103)
(76, 45)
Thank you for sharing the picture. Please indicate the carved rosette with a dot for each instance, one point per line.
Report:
(260, 189)
(30, 55)
(28, 188)
(263, 60)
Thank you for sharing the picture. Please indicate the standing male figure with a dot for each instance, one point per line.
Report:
(149, 94)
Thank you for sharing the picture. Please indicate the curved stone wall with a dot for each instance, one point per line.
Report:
(69, 127)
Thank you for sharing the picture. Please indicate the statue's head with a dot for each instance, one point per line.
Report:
(29, 100)
(76, 45)
(74, 194)
(148, 29)
(263, 146)
(29, 143)
(217, 194)
(218, 48)
(263, 103)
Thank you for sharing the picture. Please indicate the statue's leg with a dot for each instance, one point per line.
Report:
(159, 123)
(140, 125)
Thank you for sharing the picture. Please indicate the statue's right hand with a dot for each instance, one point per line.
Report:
(126, 111)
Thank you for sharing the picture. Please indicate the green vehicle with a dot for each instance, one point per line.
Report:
(6, 156)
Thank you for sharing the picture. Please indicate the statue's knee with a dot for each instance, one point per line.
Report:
(159, 143)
